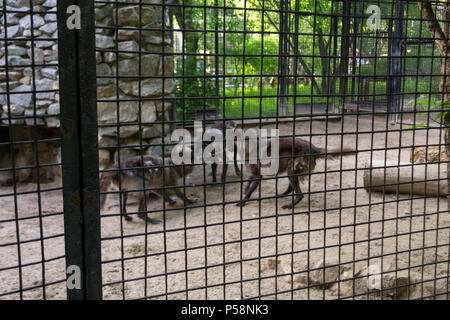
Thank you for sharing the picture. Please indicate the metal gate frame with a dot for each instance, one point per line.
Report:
(80, 148)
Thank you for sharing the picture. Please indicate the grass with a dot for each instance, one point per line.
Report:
(254, 102)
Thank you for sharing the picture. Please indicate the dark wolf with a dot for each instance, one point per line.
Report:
(139, 173)
(223, 126)
(297, 157)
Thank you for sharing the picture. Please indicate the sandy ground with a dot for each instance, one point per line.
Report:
(351, 226)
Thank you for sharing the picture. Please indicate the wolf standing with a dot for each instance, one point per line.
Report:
(143, 172)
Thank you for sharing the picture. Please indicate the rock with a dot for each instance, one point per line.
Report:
(124, 154)
(149, 65)
(397, 284)
(32, 117)
(25, 80)
(32, 33)
(154, 131)
(106, 91)
(13, 110)
(12, 76)
(125, 131)
(428, 155)
(43, 103)
(17, 51)
(43, 44)
(102, 12)
(326, 273)
(18, 3)
(105, 141)
(168, 66)
(38, 56)
(12, 32)
(102, 26)
(50, 73)
(49, 28)
(155, 37)
(107, 112)
(49, 4)
(104, 42)
(51, 95)
(104, 69)
(148, 87)
(18, 61)
(156, 147)
(110, 57)
(128, 46)
(130, 15)
(21, 99)
(50, 17)
(148, 112)
(133, 143)
(44, 84)
(53, 109)
(25, 22)
(98, 57)
(389, 285)
(10, 85)
(127, 34)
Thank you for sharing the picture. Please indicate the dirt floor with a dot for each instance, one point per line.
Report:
(255, 251)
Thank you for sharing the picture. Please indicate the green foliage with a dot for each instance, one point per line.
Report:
(194, 88)
(442, 107)
(255, 53)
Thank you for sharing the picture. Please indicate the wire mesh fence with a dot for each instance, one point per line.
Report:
(347, 99)
(32, 253)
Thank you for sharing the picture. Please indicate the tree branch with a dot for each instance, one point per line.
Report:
(433, 26)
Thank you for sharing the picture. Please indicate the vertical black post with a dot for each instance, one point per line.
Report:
(80, 147)
(284, 14)
(335, 46)
(345, 46)
(395, 63)
(216, 56)
(356, 30)
(173, 106)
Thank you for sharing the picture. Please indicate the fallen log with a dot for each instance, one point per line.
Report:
(418, 179)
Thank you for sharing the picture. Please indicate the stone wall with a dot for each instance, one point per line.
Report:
(122, 52)
(21, 53)
(140, 54)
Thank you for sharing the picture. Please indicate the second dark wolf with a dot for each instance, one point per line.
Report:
(139, 173)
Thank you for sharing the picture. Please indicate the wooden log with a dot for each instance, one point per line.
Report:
(418, 179)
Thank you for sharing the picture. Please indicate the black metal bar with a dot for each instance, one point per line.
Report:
(80, 148)
(173, 106)
(345, 46)
(284, 29)
(395, 66)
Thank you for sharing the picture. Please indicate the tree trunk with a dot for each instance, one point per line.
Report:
(441, 36)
